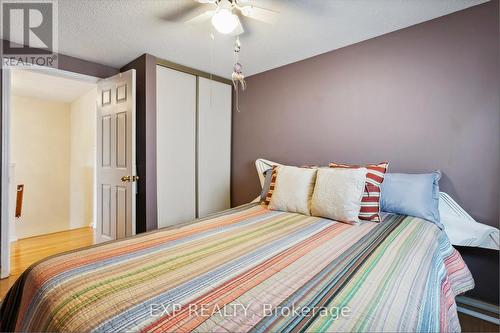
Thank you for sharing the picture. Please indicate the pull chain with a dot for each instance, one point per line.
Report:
(212, 37)
(237, 76)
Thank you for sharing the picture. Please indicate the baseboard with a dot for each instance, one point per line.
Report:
(478, 309)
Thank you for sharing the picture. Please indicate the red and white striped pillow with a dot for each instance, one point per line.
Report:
(370, 203)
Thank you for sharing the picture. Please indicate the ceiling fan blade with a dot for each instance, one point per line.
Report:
(238, 30)
(260, 14)
(185, 12)
(203, 17)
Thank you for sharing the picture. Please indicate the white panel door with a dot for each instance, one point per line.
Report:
(176, 146)
(214, 146)
(116, 170)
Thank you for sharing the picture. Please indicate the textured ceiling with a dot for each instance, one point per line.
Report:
(44, 85)
(114, 32)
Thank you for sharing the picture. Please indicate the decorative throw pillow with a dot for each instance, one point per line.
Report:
(412, 194)
(269, 184)
(291, 189)
(337, 194)
(269, 178)
(370, 204)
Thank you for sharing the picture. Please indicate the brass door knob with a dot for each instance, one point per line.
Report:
(128, 179)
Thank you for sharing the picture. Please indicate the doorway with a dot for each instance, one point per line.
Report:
(49, 135)
(68, 156)
(52, 151)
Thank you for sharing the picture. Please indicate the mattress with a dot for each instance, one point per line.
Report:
(249, 269)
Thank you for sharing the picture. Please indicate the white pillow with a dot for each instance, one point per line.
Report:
(293, 189)
(338, 193)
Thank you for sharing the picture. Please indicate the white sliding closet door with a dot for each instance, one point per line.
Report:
(176, 146)
(214, 146)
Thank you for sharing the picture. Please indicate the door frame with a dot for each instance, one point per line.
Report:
(5, 214)
(4, 201)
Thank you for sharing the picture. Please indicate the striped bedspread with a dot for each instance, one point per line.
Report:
(249, 269)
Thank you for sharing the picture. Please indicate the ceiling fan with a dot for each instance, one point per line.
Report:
(225, 15)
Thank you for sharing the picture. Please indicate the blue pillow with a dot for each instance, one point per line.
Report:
(412, 194)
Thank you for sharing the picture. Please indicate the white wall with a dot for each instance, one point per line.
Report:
(82, 159)
(40, 150)
(53, 150)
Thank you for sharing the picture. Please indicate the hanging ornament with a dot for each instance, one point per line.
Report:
(237, 76)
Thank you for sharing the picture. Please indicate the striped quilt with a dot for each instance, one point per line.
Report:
(249, 269)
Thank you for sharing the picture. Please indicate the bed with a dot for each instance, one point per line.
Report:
(249, 269)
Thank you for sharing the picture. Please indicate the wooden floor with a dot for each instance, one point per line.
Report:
(25, 252)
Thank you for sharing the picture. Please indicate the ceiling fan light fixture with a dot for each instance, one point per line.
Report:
(224, 21)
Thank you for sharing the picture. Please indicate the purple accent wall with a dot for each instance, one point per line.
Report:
(424, 98)
(77, 65)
